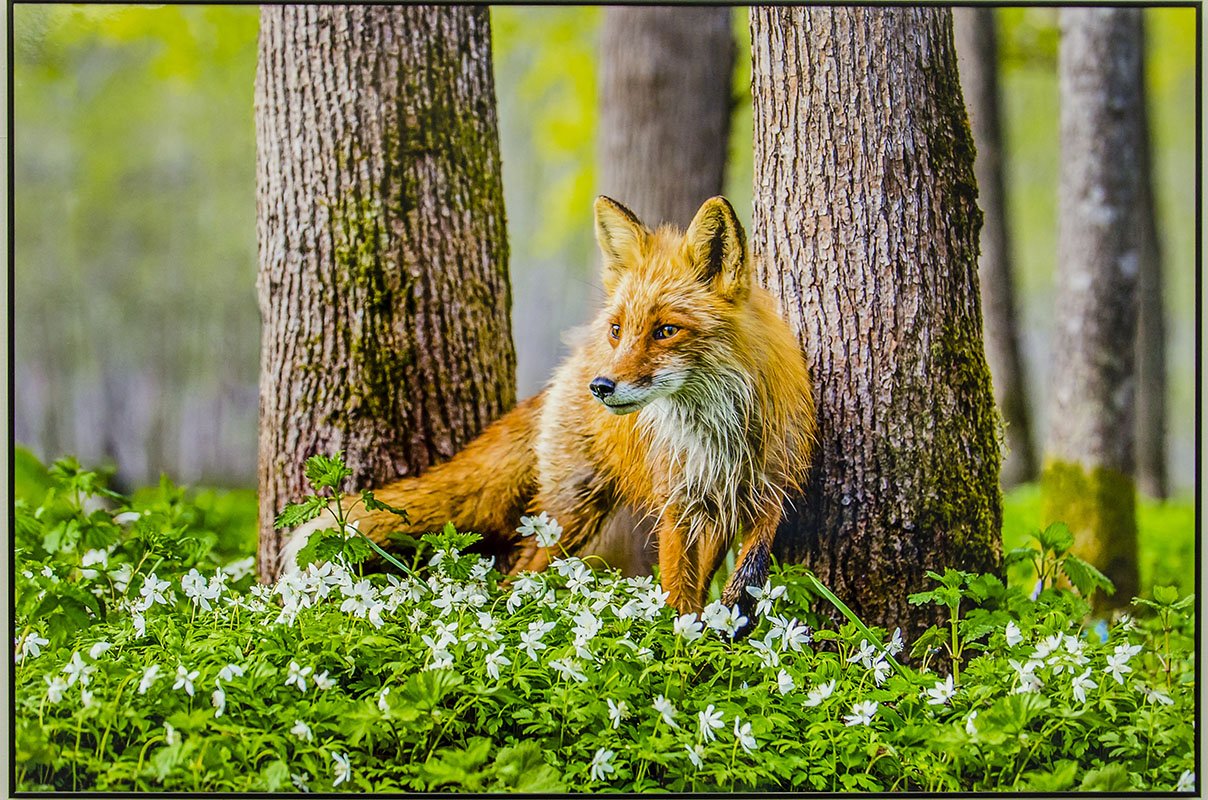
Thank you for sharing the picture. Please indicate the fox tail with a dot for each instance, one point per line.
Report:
(485, 489)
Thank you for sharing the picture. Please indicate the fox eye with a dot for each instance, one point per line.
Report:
(615, 331)
(665, 331)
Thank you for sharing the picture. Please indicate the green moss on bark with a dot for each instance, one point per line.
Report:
(1100, 507)
(963, 458)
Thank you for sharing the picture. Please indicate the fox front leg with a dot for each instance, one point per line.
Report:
(679, 566)
(752, 566)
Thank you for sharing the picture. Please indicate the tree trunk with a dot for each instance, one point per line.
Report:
(665, 75)
(977, 51)
(665, 97)
(383, 257)
(1151, 314)
(866, 227)
(1088, 475)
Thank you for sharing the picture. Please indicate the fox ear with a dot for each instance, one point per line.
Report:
(717, 246)
(621, 236)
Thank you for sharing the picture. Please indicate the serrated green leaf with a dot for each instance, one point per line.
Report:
(1085, 577)
(373, 504)
(326, 472)
(296, 514)
(1110, 778)
(1056, 538)
(1165, 595)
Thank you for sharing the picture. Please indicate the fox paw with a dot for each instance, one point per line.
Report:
(752, 571)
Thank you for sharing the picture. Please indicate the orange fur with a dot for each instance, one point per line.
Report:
(707, 429)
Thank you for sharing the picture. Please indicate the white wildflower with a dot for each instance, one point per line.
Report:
(1154, 696)
(323, 681)
(568, 669)
(1117, 666)
(31, 646)
(896, 644)
(184, 680)
(171, 737)
(297, 676)
(1081, 683)
(300, 781)
(150, 676)
(496, 660)
(98, 649)
(696, 755)
(708, 721)
(76, 669)
(1013, 634)
(666, 709)
(766, 597)
(864, 655)
(880, 669)
(861, 714)
(742, 732)
(784, 682)
(530, 640)
(794, 635)
(769, 657)
(601, 764)
(341, 768)
(970, 728)
(54, 688)
(941, 693)
(688, 627)
(230, 672)
(617, 712)
(90, 558)
(139, 622)
(1186, 782)
(382, 705)
(819, 693)
(154, 591)
(218, 698)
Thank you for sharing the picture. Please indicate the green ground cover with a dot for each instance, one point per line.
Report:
(147, 659)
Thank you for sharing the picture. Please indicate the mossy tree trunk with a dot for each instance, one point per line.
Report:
(1088, 475)
(383, 258)
(665, 102)
(1151, 314)
(865, 225)
(976, 39)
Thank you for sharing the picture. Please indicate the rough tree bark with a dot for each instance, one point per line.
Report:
(665, 102)
(977, 51)
(1088, 474)
(383, 258)
(865, 225)
(1151, 314)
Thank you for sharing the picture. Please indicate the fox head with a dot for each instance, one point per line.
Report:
(672, 300)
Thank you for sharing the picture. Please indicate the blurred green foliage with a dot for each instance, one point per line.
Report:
(135, 315)
(1028, 44)
(1165, 534)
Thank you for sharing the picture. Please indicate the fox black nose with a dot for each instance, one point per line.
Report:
(602, 387)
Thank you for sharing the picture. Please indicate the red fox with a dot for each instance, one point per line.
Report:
(687, 400)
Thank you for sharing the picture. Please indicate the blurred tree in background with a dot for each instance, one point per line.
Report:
(975, 31)
(1088, 477)
(136, 330)
(136, 324)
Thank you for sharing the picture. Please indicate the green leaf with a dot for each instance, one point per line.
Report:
(295, 514)
(1110, 778)
(373, 504)
(1056, 538)
(276, 775)
(324, 472)
(1085, 577)
(1165, 595)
